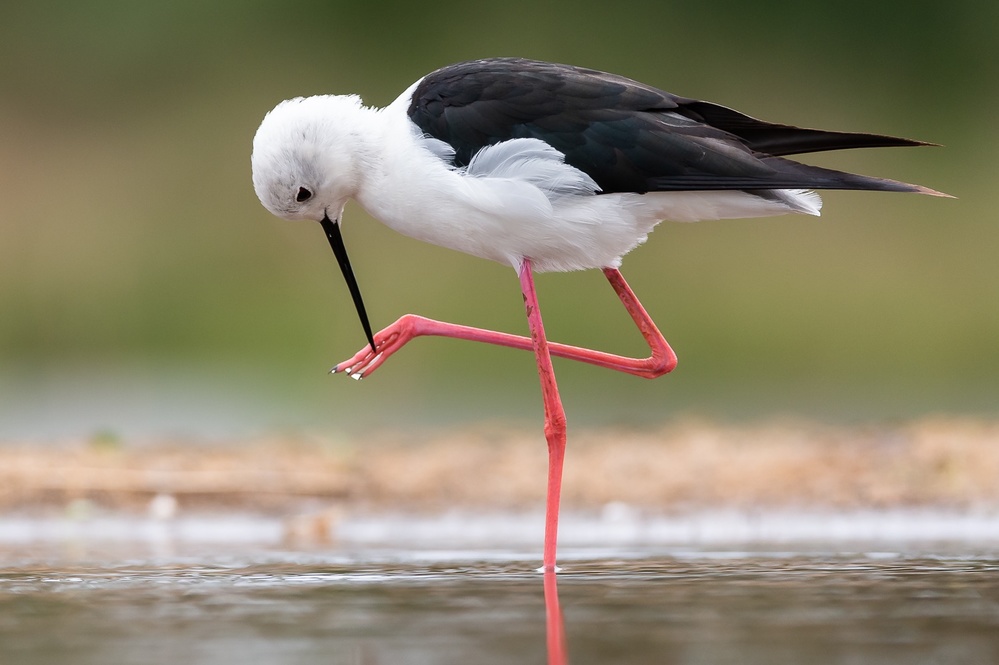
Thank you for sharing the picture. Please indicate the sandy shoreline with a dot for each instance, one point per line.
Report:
(683, 467)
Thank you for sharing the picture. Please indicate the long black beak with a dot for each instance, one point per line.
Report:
(332, 230)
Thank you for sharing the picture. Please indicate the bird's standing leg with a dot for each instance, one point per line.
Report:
(554, 413)
(395, 336)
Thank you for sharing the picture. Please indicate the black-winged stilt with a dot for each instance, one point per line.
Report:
(543, 167)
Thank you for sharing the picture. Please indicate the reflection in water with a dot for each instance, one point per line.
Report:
(677, 606)
(555, 626)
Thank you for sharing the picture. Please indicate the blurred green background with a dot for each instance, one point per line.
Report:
(144, 290)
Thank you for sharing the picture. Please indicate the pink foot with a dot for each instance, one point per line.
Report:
(387, 341)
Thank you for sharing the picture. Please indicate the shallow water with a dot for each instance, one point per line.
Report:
(400, 606)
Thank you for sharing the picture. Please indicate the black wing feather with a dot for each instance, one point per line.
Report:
(627, 136)
(776, 139)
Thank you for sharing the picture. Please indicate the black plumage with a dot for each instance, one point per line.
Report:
(627, 136)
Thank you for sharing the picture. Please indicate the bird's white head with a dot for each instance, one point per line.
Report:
(307, 156)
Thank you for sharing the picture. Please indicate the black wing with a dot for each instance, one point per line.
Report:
(627, 136)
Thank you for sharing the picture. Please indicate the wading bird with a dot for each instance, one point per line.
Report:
(542, 167)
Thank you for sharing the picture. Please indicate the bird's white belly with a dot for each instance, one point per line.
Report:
(573, 235)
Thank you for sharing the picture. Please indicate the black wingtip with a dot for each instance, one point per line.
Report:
(780, 139)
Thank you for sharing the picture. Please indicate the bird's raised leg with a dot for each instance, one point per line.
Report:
(395, 336)
(554, 414)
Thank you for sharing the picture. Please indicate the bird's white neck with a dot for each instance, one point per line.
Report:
(399, 172)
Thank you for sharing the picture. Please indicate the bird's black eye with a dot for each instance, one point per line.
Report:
(303, 195)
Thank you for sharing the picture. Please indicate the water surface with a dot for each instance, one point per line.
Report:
(384, 606)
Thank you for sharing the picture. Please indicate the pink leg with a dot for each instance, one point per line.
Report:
(661, 361)
(395, 336)
(554, 414)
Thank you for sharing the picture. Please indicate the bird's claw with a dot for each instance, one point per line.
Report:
(366, 361)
